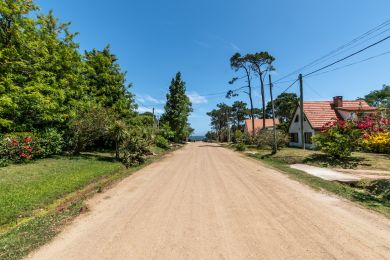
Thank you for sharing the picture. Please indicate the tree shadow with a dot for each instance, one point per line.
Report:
(92, 156)
(326, 160)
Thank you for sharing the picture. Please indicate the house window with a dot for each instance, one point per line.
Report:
(296, 119)
(294, 138)
(308, 137)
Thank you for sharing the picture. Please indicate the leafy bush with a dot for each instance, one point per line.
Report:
(18, 147)
(377, 142)
(265, 139)
(134, 148)
(166, 132)
(161, 142)
(339, 140)
(51, 142)
(240, 147)
(88, 126)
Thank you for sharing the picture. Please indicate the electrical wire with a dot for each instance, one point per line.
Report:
(348, 56)
(351, 64)
(364, 35)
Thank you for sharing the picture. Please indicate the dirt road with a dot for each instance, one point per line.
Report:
(207, 202)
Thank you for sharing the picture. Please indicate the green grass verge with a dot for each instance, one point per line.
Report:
(361, 193)
(28, 187)
(58, 189)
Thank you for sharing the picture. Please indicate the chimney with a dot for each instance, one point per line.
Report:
(338, 101)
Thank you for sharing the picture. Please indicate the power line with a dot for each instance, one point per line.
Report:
(289, 86)
(382, 25)
(346, 57)
(351, 64)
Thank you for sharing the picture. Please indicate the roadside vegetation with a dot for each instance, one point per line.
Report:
(69, 125)
(360, 146)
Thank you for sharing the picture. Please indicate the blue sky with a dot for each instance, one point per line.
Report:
(155, 39)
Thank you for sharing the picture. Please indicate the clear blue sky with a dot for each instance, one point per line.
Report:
(155, 39)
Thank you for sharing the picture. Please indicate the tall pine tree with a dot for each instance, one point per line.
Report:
(178, 109)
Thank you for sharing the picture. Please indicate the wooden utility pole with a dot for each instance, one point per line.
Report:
(275, 146)
(154, 121)
(302, 115)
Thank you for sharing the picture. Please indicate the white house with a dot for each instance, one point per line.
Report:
(319, 113)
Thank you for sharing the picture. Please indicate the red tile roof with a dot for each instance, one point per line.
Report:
(319, 113)
(259, 124)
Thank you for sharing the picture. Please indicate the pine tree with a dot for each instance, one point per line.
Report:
(177, 109)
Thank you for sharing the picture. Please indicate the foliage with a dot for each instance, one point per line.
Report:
(377, 142)
(51, 142)
(285, 105)
(134, 148)
(379, 98)
(161, 142)
(166, 132)
(177, 109)
(238, 62)
(239, 112)
(43, 77)
(19, 147)
(265, 138)
(261, 65)
(338, 140)
(240, 147)
(220, 119)
(89, 125)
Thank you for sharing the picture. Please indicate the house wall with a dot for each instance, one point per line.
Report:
(347, 115)
(295, 127)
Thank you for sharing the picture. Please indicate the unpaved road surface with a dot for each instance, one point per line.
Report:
(207, 202)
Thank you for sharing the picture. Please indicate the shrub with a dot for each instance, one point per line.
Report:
(18, 147)
(87, 127)
(161, 142)
(339, 140)
(51, 142)
(240, 147)
(134, 148)
(265, 139)
(377, 142)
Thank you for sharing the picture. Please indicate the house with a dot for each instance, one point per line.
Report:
(319, 113)
(259, 124)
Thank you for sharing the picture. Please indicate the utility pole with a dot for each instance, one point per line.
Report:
(275, 146)
(154, 121)
(228, 127)
(302, 115)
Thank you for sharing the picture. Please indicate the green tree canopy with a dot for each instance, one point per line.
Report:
(379, 98)
(177, 109)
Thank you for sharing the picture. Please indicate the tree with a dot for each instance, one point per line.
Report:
(237, 62)
(379, 98)
(220, 119)
(261, 64)
(285, 105)
(177, 109)
(239, 112)
(106, 81)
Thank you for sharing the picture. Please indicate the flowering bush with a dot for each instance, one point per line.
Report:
(23, 147)
(18, 147)
(376, 142)
(338, 139)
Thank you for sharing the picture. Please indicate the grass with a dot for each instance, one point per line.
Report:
(358, 160)
(37, 199)
(29, 187)
(370, 194)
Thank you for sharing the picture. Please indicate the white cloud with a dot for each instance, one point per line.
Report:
(195, 98)
(149, 99)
